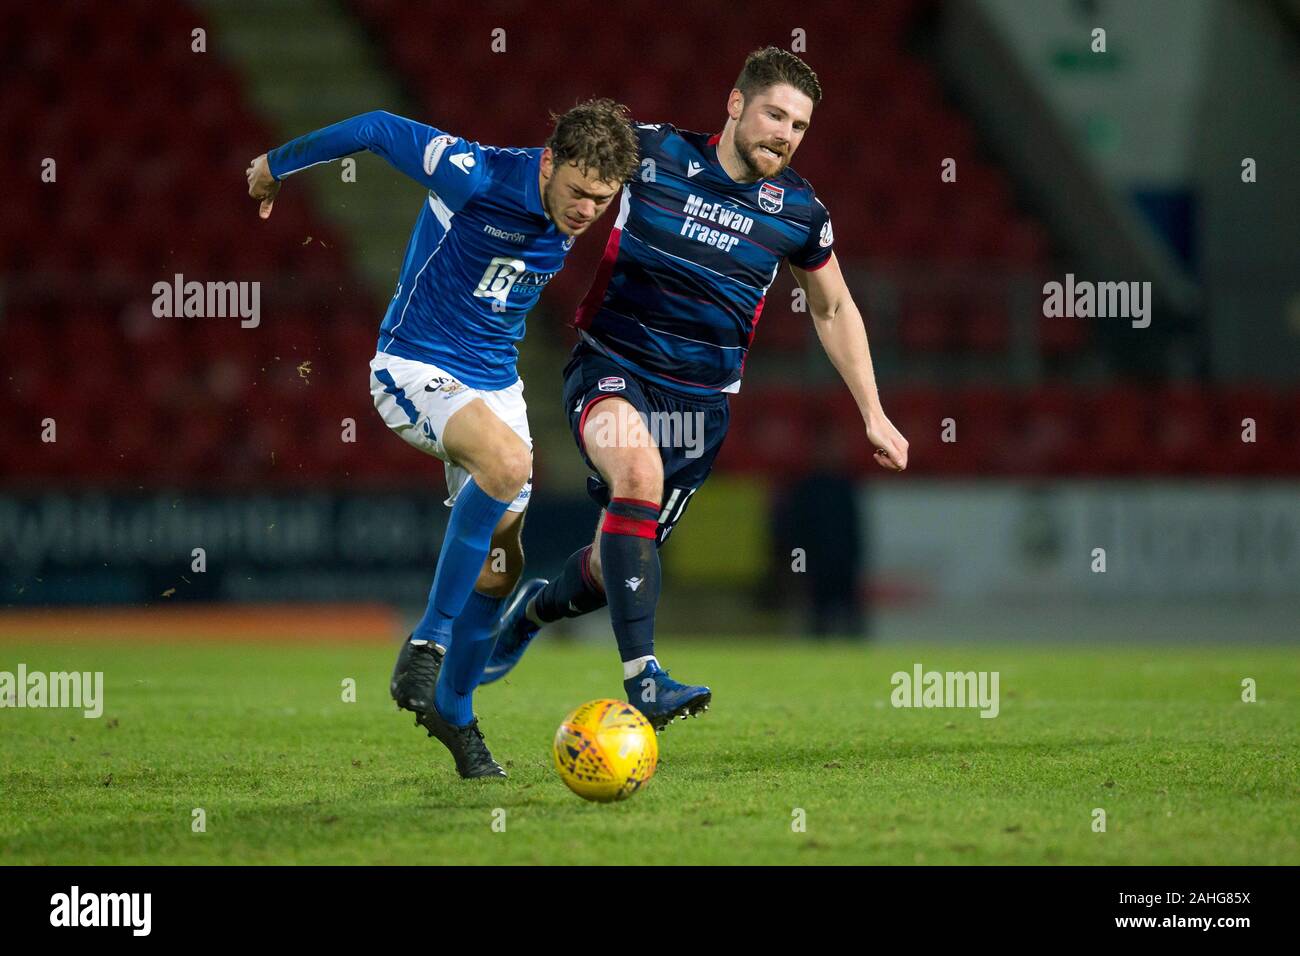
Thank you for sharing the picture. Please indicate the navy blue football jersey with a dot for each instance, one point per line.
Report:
(678, 294)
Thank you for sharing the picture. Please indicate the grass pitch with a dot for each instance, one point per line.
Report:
(285, 771)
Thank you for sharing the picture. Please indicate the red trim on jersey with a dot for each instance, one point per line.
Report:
(753, 329)
(595, 296)
(635, 527)
(820, 264)
(638, 501)
(582, 422)
(715, 139)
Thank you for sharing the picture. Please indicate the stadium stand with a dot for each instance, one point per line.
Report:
(140, 399)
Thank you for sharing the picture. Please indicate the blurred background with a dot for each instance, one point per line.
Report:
(1071, 479)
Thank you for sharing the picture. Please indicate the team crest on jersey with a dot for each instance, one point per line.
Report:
(770, 198)
(433, 152)
(611, 383)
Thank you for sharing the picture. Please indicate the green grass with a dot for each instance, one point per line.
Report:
(259, 737)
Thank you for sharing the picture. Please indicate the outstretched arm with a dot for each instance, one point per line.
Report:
(844, 337)
(442, 163)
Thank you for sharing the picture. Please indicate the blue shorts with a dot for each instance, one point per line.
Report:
(687, 429)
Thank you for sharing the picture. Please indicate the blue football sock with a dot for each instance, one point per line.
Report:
(464, 549)
(471, 645)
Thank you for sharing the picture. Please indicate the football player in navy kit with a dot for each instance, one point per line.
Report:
(664, 333)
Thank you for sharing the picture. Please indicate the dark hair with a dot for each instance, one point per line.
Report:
(772, 65)
(597, 135)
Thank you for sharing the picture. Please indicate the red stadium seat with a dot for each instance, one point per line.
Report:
(86, 249)
(1119, 436)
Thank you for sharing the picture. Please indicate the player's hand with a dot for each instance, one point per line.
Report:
(262, 185)
(889, 444)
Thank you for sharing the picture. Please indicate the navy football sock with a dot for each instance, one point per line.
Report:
(471, 645)
(629, 561)
(573, 593)
(464, 549)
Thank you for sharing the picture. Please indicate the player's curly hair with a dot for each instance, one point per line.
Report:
(772, 65)
(598, 136)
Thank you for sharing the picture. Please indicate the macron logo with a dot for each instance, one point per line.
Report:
(633, 583)
(693, 168)
(463, 162)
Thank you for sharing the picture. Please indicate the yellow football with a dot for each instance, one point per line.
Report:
(605, 750)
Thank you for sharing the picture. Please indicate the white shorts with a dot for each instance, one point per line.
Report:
(416, 400)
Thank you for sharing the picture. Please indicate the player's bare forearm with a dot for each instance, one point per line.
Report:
(843, 336)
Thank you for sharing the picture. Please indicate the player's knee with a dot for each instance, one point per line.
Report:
(638, 476)
(507, 473)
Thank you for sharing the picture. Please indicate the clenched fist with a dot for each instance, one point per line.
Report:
(262, 185)
(889, 444)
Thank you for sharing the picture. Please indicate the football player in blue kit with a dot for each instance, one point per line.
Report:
(663, 337)
(494, 228)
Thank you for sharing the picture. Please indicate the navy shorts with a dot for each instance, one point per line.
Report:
(688, 430)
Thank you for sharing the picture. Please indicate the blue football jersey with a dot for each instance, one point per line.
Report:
(481, 251)
(677, 296)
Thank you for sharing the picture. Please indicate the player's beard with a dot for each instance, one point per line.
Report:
(746, 151)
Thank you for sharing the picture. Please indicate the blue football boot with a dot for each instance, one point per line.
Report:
(662, 699)
(514, 632)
